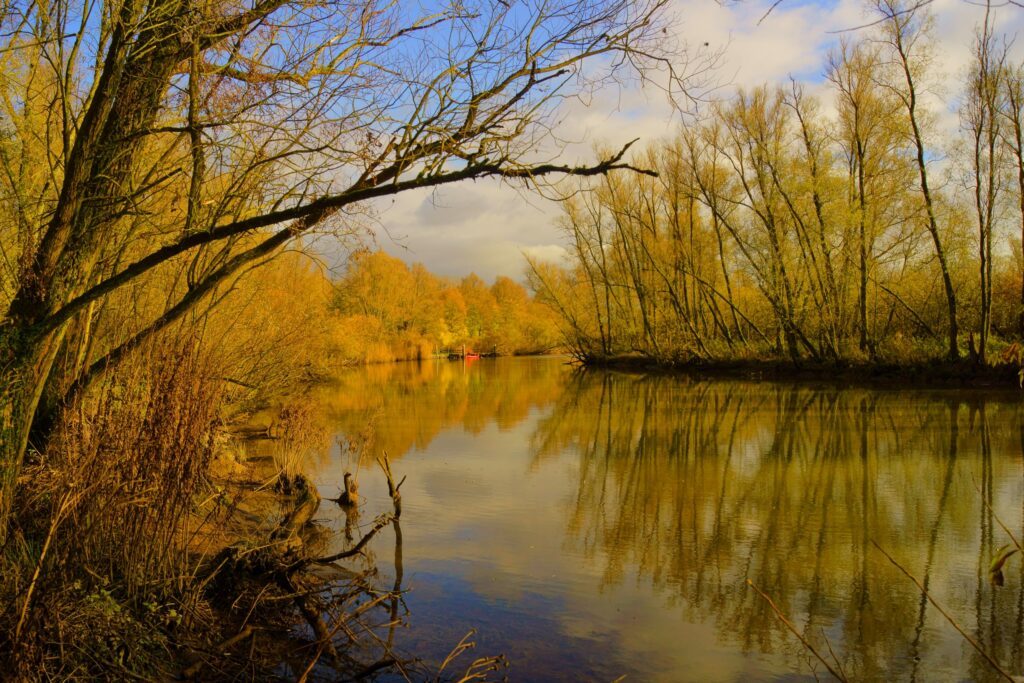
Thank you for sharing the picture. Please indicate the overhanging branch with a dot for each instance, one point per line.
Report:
(315, 212)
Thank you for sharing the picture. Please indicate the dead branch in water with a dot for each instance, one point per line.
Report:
(393, 489)
(282, 559)
(839, 675)
(479, 668)
(381, 522)
(924, 591)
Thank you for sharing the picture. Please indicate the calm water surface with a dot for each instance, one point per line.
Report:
(593, 525)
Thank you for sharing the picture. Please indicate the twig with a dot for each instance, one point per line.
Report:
(311, 614)
(382, 522)
(478, 670)
(464, 644)
(796, 632)
(832, 653)
(227, 644)
(924, 591)
(322, 646)
(996, 517)
(54, 523)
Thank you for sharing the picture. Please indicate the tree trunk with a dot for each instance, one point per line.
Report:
(31, 359)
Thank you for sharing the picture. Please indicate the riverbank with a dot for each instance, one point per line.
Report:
(932, 373)
(257, 590)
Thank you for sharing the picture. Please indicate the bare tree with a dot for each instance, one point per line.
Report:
(904, 31)
(1013, 133)
(194, 132)
(980, 115)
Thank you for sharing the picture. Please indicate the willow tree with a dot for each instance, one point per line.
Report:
(904, 30)
(757, 141)
(981, 117)
(212, 134)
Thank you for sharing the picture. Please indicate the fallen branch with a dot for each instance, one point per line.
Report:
(924, 591)
(308, 607)
(281, 560)
(381, 522)
(792, 627)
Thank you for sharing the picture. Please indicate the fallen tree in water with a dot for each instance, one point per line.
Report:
(336, 604)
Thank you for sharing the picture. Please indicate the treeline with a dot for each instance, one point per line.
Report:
(391, 311)
(845, 226)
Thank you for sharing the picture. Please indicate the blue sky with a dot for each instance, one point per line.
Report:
(486, 226)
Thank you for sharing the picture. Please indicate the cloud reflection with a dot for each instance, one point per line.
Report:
(608, 522)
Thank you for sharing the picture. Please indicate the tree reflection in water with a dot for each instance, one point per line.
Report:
(692, 487)
(699, 486)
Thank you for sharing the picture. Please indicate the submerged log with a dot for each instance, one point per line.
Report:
(278, 553)
(284, 561)
(307, 502)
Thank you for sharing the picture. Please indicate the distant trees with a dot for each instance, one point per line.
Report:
(390, 311)
(775, 228)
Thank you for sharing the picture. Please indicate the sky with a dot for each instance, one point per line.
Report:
(487, 227)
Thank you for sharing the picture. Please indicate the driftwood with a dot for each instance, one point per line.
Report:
(195, 668)
(284, 555)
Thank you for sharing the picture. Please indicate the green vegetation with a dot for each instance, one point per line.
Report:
(842, 228)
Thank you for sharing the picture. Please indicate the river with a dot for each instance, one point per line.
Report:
(596, 524)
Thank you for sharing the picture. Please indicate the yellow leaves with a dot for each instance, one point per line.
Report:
(393, 311)
(995, 570)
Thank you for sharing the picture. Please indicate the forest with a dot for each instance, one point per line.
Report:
(385, 310)
(859, 218)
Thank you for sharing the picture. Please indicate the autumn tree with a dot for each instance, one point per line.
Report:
(904, 32)
(1013, 132)
(778, 225)
(170, 130)
(981, 118)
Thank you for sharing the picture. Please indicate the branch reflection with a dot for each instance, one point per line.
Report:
(698, 486)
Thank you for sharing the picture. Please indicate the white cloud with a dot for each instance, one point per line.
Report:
(547, 253)
(482, 227)
(485, 227)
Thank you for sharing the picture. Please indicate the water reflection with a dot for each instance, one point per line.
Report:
(670, 493)
(398, 407)
(703, 485)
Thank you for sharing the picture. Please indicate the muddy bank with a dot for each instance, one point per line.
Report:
(932, 374)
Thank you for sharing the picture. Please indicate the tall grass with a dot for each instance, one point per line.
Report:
(298, 430)
(101, 538)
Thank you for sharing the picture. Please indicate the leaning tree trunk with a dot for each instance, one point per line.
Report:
(136, 70)
(29, 361)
